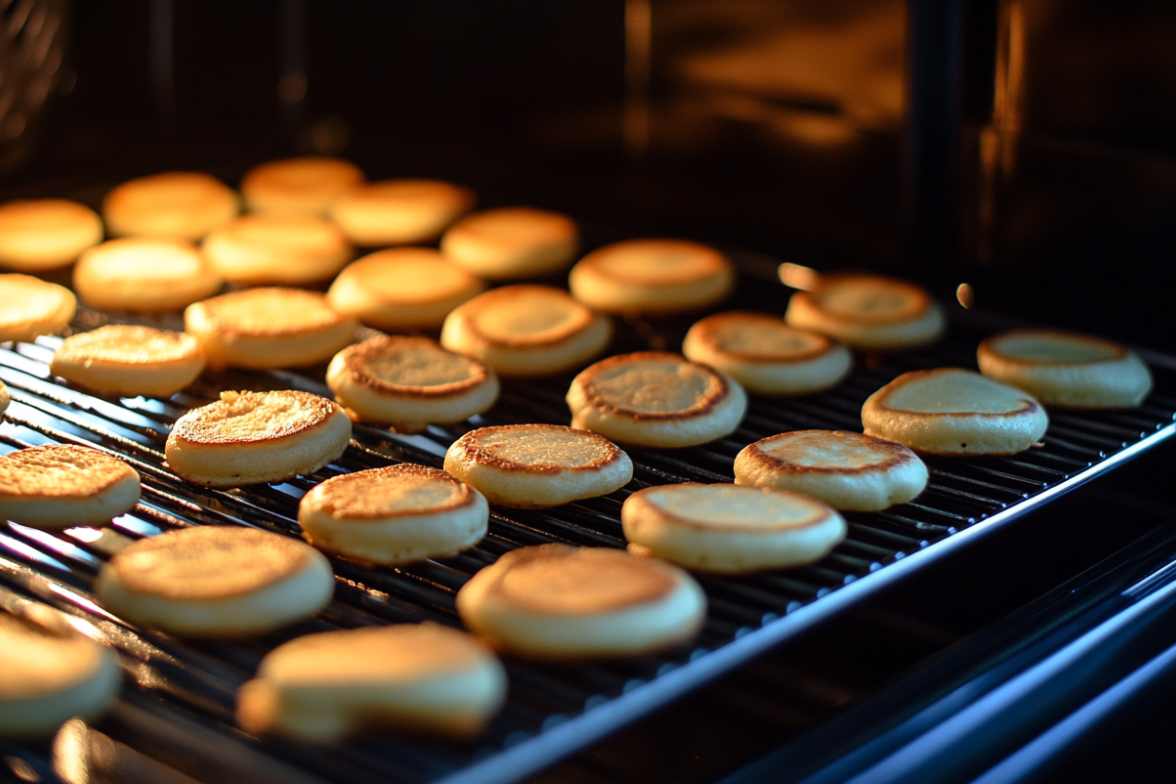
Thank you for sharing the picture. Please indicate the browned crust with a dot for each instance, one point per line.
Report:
(707, 331)
(878, 399)
(192, 429)
(224, 324)
(821, 512)
(465, 496)
(920, 299)
(360, 269)
(708, 403)
(117, 471)
(502, 297)
(356, 358)
(69, 350)
(474, 451)
(989, 346)
(897, 454)
(715, 262)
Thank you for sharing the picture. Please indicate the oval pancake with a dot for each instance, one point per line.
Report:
(291, 250)
(124, 359)
(868, 312)
(180, 205)
(417, 676)
(1066, 368)
(539, 465)
(526, 330)
(512, 242)
(268, 328)
(729, 529)
(409, 382)
(44, 234)
(30, 307)
(62, 485)
(765, 355)
(400, 212)
(653, 398)
(849, 471)
(216, 581)
(298, 186)
(951, 411)
(250, 437)
(393, 515)
(652, 277)
(144, 275)
(554, 601)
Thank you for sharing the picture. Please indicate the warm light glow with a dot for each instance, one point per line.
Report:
(798, 276)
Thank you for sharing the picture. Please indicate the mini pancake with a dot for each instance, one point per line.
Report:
(951, 411)
(216, 581)
(868, 312)
(423, 677)
(553, 601)
(653, 398)
(848, 471)
(60, 485)
(400, 212)
(393, 515)
(652, 276)
(290, 250)
(250, 437)
(728, 528)
(144, 275)
(409, 382)
(526, 330)
(181, 205)
(123, 359)
(30, 307)
(43, 234)
(46, 679)
(298, 186)
(512, 242)
(405, 288)
(5, 399)
(1066, 369)
(767, 356)
(539, 465)
(268, 328)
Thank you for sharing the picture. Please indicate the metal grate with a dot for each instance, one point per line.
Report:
(182, 689)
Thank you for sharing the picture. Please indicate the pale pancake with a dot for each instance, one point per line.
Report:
(868, 311)
(402, 288)
(538, 465)
(848, 471)
(652, 276)
(729, 528)
(1066, 368)
(281, 249)
(144, 275)
(526, 330)
(512, 242)
(298, 186)
(556, 601)
(400, 212)
(419, 676)
(125, 359)
(951, 411)
(250, 437)
(182, 205)
(61, 485)
(42, 234)
(30, 307)
(653, 398)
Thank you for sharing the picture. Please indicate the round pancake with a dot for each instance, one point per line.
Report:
(652, 276)
(418, 676)
(848, 471)
(289, 250)
(653, 398)
(526, 330)
(268, 328)
(539, 465)
(553, 601)
(61, 485)
(181, 205)
(146, 275)
(951, 411)
(728, 528)
(123, 359)
(1066, 369)
(765, 355)
(5, 398)
(298, 186)
(250, 437)
(868, 312)
(405, 288)
(400, 212)
(216, 581)
(512, 242)
(393, 515)
(43, 234)
(409, 382)
(47, 679)
(30, 307)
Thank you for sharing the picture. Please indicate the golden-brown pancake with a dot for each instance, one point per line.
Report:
(62, 485)
(400, 212)
(42, 234)
(142, 274)
(181, 205)
(290, 250)
(30, 307)
(868, 311)
(652, 276)
(298, 186)
(512, 242)
(124, 359)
